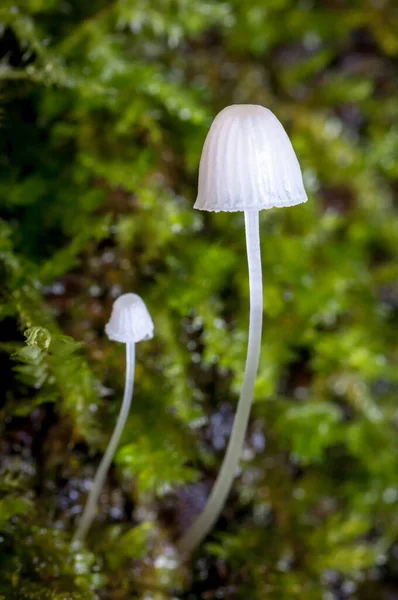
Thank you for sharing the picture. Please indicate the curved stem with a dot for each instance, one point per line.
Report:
(223, 484)
(90, 509)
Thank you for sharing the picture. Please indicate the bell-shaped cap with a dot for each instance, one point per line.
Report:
(130, 320)
(248, 163)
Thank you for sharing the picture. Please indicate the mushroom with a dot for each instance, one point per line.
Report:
(130, 323)
(247, 164)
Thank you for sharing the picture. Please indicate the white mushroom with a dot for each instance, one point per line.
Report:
(247, 164)
(130, 322)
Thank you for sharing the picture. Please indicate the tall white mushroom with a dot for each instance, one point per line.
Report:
(247, 164)
(130, 323)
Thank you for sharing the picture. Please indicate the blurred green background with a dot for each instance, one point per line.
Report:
(104, 109)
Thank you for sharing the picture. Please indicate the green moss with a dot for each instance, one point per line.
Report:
(104, 110)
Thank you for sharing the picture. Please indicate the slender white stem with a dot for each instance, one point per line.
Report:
(223, 484)
(90, 509)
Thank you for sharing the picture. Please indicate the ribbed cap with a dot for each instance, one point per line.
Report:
(248, 163)
(130, 320)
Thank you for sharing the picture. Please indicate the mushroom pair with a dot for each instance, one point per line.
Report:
(248, 164)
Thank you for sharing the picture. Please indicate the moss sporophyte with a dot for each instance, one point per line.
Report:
(130, 322)
(247, 164)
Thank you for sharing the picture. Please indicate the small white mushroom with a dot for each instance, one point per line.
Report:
(130, 322)
(247, 164)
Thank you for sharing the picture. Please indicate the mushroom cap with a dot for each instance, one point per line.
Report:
(130, 321)
(248, 163)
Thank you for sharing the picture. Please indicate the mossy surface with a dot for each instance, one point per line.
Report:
(104, 109)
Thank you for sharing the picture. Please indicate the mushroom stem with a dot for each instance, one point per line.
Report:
(90, 509)
(201, 527)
